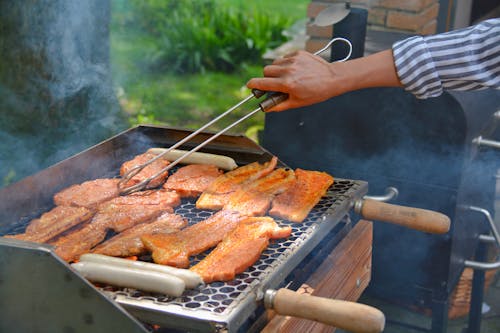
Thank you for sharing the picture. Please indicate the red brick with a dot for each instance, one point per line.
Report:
(429, 29)
(315, 44)
(314, 8)
(411, 21)
(315, 31)
(409, 5)
(377, 16)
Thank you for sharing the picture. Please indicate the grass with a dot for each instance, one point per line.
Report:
(187, 100)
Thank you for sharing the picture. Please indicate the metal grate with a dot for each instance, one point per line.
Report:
(220, 298)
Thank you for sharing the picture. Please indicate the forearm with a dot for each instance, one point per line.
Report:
(376, 70)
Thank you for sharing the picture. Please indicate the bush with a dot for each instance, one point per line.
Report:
(195, 36)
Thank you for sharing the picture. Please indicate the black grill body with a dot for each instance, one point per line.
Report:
(422, 147)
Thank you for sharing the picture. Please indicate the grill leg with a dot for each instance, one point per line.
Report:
(477, 295)
(439, 316)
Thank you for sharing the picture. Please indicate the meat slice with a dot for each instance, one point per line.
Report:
(128, 243)
(88, 194)
(296, 203)
(192, 180)
(71, 246)
(54, 222)
(147, 172)
(175, 249)
(240, 249)
(216, 195)
(127, 211)
(254, 199)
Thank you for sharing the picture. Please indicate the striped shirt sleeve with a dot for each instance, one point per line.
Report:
(465, 59)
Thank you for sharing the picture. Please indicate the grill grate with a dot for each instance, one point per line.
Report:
(222, 297)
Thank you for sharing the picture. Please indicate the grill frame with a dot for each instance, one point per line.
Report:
(31, 197)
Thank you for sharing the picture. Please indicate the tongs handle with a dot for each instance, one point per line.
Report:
(351, 316)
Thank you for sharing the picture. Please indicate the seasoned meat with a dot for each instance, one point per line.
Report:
(118, 214)
(192, 180)
(54, 222)
(88, 194)
(254, 198)
(239, 249)
(127, 211)
(216, 195)
(71, 246)
(296, 203)
(128, 243)
(147, 172)
(175, 249)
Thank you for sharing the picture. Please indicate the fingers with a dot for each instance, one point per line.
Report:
(267, 84)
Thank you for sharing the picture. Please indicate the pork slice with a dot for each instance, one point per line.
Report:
(128, 243)
(296, 203)
(55, 222)
(147, 172)
(127, 211)
(71, 246)
(216, 194)
(175, 249)
(239, 249)
(254, 198)
(192, 180)
(88, 194)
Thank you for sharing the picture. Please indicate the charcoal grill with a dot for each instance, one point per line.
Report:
(33, 280)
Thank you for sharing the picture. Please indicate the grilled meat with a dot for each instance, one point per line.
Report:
(54, 222)
(127, 211)
(239, 249)
(147, 172)
(118, 214)
(216, 195)
(254, 198)
(296, 203)
(88, 194)
(71, 246)
(192, 180)
(128, 243)
(175, 249)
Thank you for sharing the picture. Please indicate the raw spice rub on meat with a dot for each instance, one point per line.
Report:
(191, 180)
(147, 172)
(53, 223)
(124, 212)
(88, 194)
(128, 243)
(117, 214)
(254, 198)
(239, 249)
(296, 203)
(175, 249)
(217, 193)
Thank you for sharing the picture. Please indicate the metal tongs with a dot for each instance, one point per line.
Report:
(272, 99)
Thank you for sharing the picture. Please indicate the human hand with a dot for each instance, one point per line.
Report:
(306, 78)
(309, 79)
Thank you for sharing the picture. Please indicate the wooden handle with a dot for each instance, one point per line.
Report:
(350, 316)
(410, 217)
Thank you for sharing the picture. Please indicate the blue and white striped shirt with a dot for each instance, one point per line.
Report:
(465, 59)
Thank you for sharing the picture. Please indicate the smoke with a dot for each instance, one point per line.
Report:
(56, 95)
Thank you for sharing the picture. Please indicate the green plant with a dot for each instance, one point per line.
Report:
(196, 36)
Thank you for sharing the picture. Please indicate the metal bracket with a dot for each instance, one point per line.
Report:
(480, 141)
(390, 193)
(495, 238)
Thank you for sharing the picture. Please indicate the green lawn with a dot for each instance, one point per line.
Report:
(187, 100)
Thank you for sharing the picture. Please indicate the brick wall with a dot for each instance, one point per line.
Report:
(406, 16)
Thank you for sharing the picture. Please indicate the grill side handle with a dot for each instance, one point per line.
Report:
(409, 217)
(350, 316)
